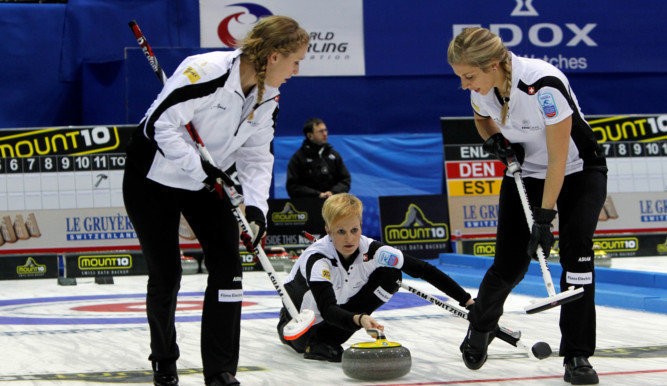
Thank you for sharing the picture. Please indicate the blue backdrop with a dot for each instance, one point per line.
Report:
(380, 165)
(64, 64)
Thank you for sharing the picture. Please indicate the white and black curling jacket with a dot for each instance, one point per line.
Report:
(540, 96)
(206, 90)
(320, 268)
(321, 279)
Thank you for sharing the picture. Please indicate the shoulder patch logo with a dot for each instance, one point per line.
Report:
(326, 274)
(192, 75)
(548, 105)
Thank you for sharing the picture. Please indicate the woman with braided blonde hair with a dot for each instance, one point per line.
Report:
(525, 109)
(231, 98)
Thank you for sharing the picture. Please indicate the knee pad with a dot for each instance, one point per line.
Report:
(387, 278)
(383, 294)
(388, 283)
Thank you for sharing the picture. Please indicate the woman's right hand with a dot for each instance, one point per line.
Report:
(368, 322)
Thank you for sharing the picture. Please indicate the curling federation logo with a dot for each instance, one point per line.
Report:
(233, 27)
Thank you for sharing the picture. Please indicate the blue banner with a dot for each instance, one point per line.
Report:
(380, 165)
(576, 36)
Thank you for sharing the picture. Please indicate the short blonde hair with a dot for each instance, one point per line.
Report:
(340, 206)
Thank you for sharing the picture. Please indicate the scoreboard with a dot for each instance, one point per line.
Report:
(61, 168)
(61, 181)
(636, 150)
(61, 190)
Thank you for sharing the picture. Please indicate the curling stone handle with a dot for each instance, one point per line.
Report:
(375, 333)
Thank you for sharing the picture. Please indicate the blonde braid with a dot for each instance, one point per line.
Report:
(506, 65)
(479, 47)
(261, 77)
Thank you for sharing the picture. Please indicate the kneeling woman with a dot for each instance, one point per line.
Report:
(345, 276)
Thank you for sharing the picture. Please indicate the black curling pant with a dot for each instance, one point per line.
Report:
(155, 211)
(365, 301)
(579, 203)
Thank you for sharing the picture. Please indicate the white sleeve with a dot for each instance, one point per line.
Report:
(254, 166)
(321, 271)
(174, 145)
(170, 133)
(553, 105)
(388, 256)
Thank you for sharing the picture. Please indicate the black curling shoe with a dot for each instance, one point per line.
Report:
(473, 348)
(165, 379)
(578, 371)
(164, 374)
(223, 379)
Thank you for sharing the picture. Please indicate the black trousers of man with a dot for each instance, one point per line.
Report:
(155, 211)
(579, 204)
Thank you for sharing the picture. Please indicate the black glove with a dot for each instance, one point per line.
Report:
(213, 174)
(541, 233)
(257, 223)
(502, 149)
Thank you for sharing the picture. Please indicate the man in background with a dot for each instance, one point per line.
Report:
(316, 169)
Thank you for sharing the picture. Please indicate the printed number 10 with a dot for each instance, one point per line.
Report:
(98, 135)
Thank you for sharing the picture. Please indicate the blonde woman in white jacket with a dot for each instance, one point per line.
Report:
(345, 276)
(525, 109)
(231, 98)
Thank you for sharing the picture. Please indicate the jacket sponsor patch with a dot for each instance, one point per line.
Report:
(548, 105)
(192, 75)
(387, 259)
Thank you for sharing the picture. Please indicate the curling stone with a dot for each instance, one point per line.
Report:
(376, 361)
